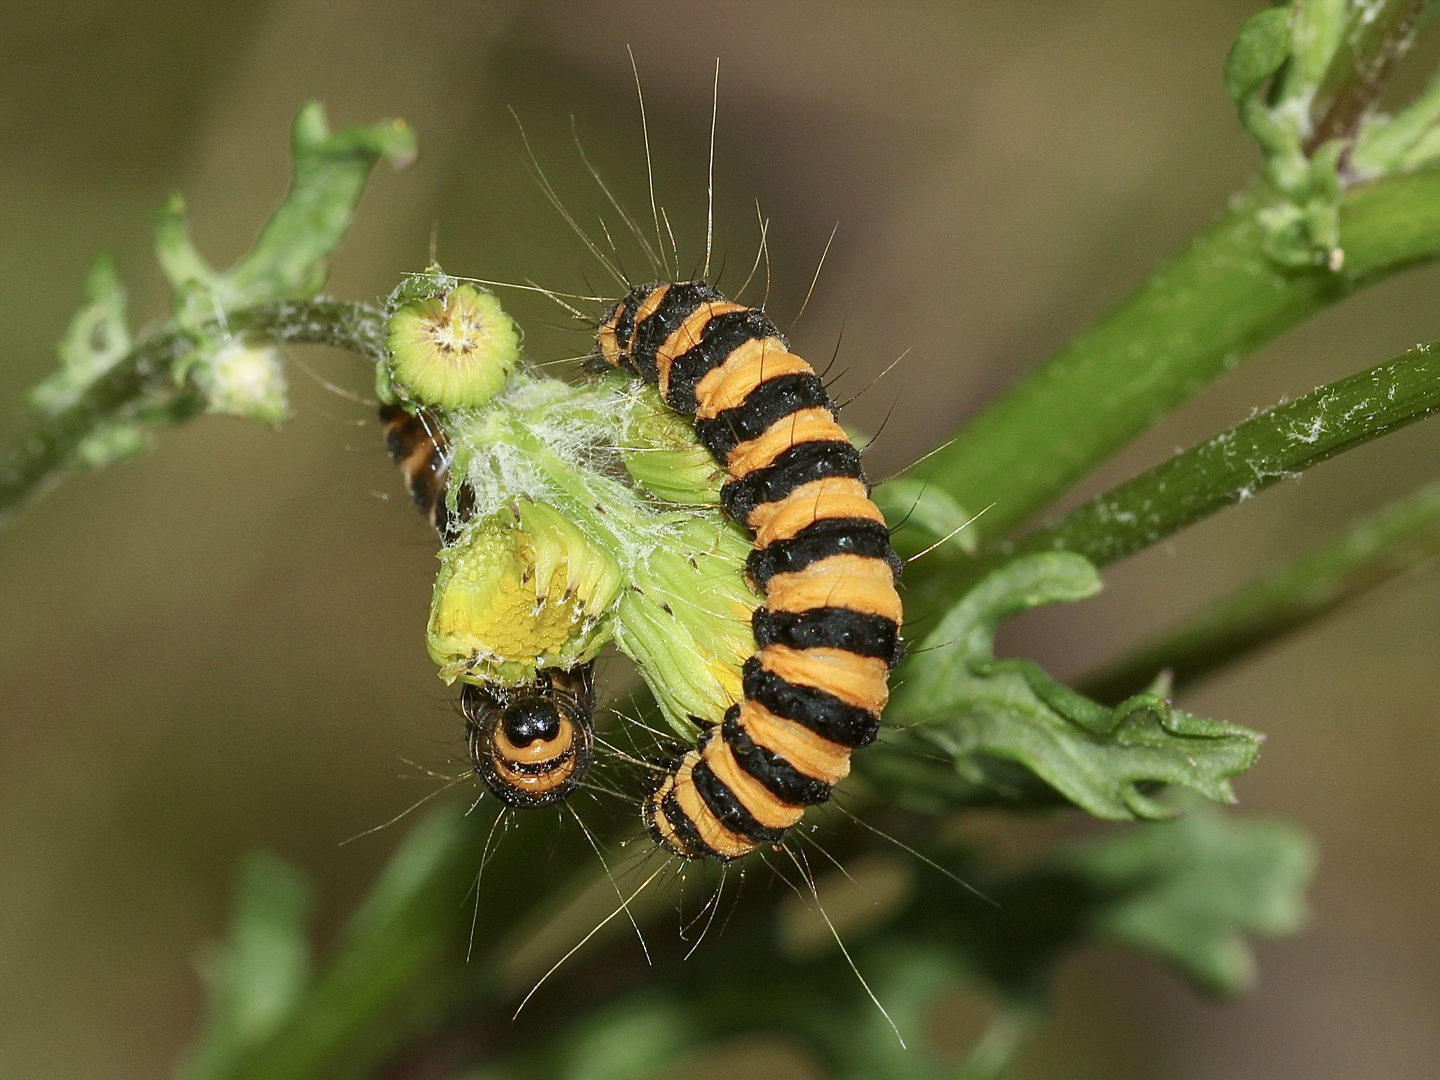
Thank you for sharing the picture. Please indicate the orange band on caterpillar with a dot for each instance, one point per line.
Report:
(829, 630)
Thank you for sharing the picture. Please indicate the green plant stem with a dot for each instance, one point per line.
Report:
(1243, 461)
(1197, 317)
(144, 377)
(1376, 36)
(1398, 538)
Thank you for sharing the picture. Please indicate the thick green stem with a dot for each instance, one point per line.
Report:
(1398, 538)
(145, 377)
(1199, 316)
(1248, 458)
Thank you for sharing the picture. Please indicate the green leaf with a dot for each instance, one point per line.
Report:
(1262, 45)
(96, 340)
(922, 516)
(327, 177)
(184, 267)
(959, 699)
(259, 971)
(1189, 891)
(1319, 29)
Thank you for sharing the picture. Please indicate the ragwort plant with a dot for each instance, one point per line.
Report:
(1347, 196)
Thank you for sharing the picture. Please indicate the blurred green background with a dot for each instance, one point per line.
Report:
(219, 647)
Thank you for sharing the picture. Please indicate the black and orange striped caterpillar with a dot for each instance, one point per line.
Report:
(530, 745)
(828, 632)
(417, 444)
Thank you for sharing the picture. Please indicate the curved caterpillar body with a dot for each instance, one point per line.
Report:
(829, 629)
(530, 745)
(417, 444)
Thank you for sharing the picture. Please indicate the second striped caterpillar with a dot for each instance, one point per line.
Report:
(530, 745)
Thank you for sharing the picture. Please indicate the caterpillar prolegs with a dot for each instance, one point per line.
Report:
(530, 745)
(828, 632)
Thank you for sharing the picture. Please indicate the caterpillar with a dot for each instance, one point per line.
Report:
(417, 444)
(828, 632)
(530, 745)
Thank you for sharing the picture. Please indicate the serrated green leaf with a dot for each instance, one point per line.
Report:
(1190, 890)
(257, 973)
(956, 697)
(1262, 45)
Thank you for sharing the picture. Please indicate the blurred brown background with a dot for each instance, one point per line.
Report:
(219, 646)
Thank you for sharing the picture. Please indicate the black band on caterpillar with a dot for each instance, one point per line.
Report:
(727, 807)
(722, 336)
(824, 714)
(791, 469)
(770, 401)
(832, 628)
(828, 631)
(676, 305)
(827, 536)
(783, 780)
(686, 830)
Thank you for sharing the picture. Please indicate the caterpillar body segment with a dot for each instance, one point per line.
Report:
(828, 632)
(418, 445)
(533, 745)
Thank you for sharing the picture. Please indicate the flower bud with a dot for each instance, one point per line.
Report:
(239, 379)
(519, 591)
(686, 620)
(453, 349)
(662, 454)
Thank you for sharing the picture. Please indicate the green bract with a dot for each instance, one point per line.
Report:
(452, 351)
(957, 699)
(686, 620)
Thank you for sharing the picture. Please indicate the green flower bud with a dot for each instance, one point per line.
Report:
(520, 591)
(451, 350)
(661, 452)
(245, 380)
(686, 621)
